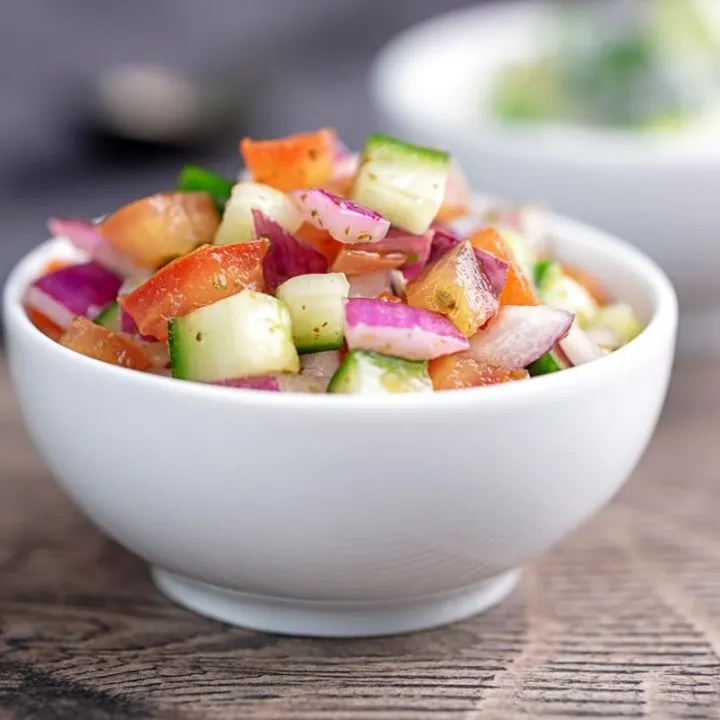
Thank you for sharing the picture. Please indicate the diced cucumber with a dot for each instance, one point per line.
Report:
(369, 373)
(110, 317)
(546, 364)
(621, 319)
(317, 307)
(244, 335)
(194, 178)
(237, 222)
(404, 183)
(560, 291)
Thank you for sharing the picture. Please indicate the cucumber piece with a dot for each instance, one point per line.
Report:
(546, 364)
(244, 335)
(194, 178)
(369, 373)
(317, 307)
(404, 183)
(621, 319)
(562, 292)
(110, 317)
(237, 222)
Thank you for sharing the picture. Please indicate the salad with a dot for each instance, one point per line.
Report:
(321, 271)
(628, 64)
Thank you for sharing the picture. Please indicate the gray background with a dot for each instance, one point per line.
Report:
(309, 57)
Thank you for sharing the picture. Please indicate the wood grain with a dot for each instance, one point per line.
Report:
(621, 621)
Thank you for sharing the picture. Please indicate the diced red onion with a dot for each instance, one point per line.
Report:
(577, 347)
(288, 255)
(320, 364)
(398, 283)
(400, 330)
(85, 236)
(370, 285)
(345, 221)
(265, 382)
(444, 239)
(302, 383)
(495, 269)
(127, 324)
(346, 163)
(519, 335)
(63, 295)
(457, 189)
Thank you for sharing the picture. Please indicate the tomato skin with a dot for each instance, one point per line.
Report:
(44, 324)
(208, 274)
(518, 288)
(459, 371)
(389, 297)
(95, 341)
(156, 229)
(298, 161)
(54, 266)
(360, 262)
(321, 240)
(588, 281)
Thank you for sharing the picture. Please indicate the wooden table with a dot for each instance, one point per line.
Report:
(621, 621)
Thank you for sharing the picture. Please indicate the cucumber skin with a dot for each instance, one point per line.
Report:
(544, 365)
(386, 149)
(175, 348)
(109, 318)
(194, 178)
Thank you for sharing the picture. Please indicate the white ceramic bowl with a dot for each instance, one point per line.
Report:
(431, 84)
(341, 515)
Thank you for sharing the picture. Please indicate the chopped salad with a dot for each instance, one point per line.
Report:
(322, 271)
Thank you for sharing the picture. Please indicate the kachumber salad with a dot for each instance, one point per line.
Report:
(325, 271)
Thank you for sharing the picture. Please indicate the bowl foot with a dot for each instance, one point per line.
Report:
(333, 618)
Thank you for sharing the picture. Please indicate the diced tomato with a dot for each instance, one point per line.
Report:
(201, 278)
(95, 341)
(389, 297)
(156, 229)
(44, 324)
(589, 282)
(297, 161)
(360, 262)
(321, 240)
(454, 372)
(518, 289)
(54, 266)
(455, 287)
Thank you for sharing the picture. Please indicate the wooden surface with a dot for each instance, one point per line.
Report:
(621, 621)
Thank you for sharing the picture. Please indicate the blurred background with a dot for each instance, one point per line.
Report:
(263, 67)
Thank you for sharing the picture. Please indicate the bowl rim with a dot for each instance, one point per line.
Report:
(598, 147)
(661, 327)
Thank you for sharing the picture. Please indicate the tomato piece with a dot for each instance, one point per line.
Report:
(54, 266)
(389, 297)
(44, 324)
(321, 240)
(454, 286)
(95, 341)
(454, 372)
(156, 229)
(294, 162)
(589, 282)
(201, 278)
(518, 288)
(360, 262)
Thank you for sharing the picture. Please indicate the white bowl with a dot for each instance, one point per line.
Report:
(430, 85)
(342, 515)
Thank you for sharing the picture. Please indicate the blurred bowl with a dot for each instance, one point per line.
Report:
(431, 85)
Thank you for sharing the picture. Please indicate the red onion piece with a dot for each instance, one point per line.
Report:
(400, 330)
(320, 364)
(265, 382)
(345, 221)
(288, 256)
(85, 236)
(63, 295)
(578, 348)
(519, 335)
(371, 284)
(495, 269)
(444, 239)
